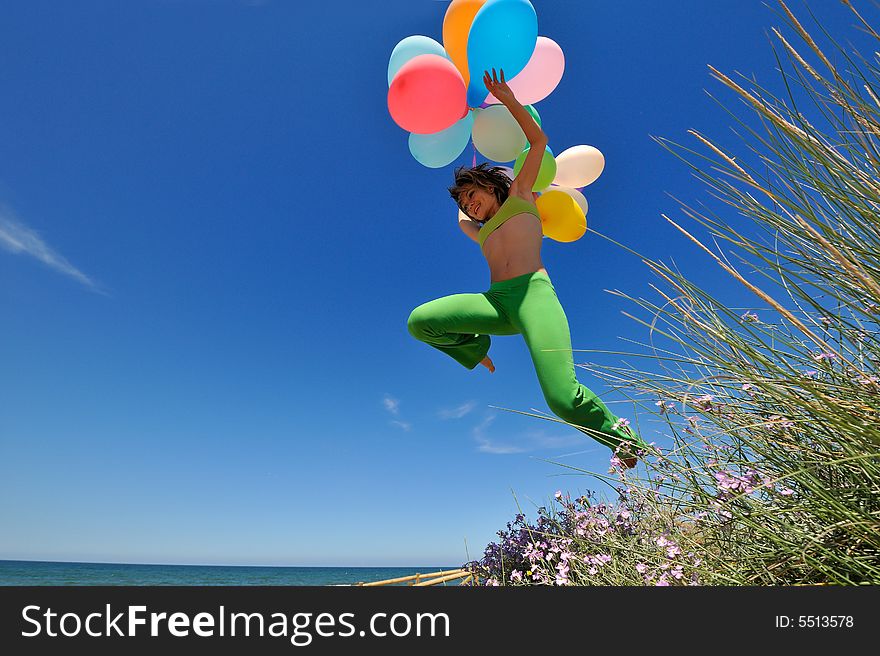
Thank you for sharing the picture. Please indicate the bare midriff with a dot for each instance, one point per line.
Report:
(514, 248)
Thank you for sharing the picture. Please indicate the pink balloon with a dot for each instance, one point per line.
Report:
(540, 76)
(427, 95)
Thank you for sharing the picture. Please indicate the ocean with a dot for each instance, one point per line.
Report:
(25, 572)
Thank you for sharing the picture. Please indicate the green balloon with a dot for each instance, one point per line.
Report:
(546, 173)
(534, 114)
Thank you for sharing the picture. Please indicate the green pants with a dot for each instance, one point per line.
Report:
(460, 325)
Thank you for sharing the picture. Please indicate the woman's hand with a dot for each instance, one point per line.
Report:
(498, 88)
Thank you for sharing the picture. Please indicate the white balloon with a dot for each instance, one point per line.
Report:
(578, 166)
(579, 198)
(497, 135)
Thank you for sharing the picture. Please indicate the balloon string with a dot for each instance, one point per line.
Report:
(474, 162)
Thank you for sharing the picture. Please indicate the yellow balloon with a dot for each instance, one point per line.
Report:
(561, 216)
(456, 26)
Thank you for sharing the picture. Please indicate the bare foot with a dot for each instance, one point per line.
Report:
(487, 362)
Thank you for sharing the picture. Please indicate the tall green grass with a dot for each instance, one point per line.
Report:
(773, 410)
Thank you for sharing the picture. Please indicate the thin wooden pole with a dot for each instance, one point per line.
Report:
(443, 579)
(414, 577)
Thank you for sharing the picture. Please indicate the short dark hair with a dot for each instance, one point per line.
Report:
(491, 178)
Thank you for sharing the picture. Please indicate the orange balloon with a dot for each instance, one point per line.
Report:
(456, 25)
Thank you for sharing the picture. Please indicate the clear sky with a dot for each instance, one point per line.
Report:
(212, 234)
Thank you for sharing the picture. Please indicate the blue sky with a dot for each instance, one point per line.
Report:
(212, 234)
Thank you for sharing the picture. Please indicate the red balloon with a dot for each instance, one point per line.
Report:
(427, 95)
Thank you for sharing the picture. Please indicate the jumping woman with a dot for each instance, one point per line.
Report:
(503, 220)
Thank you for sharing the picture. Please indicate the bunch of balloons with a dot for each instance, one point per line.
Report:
(436, 93)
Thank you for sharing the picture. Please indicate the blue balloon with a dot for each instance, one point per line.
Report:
(503, 34)
(441, 148)
(412, 46)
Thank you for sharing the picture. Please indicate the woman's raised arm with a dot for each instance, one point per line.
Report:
(525, 179)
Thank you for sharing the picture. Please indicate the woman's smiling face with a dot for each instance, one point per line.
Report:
(478, 203)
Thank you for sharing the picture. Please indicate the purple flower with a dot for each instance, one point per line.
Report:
(598, 559)
(641, 568)
(616, 465)
(704, 402)
(732, 483)
(562, 577)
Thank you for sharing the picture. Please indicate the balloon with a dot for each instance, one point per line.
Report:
(561, 218)
(506, 170)
(497, 135)
(412, 46)
(574, 193)
(540, 76)
(456, 25)
(545, 174)
(578, 166)
(427, 95)
(441, 148)
(502, 36)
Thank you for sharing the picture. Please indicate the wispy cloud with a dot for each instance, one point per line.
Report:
(392, 405)
(459, 412)
(17, 238)
(486, 445)
(532, 440)
(541, 439)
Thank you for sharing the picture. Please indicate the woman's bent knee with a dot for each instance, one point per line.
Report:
(419, 322)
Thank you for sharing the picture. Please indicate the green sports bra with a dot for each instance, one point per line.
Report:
(511, 207)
